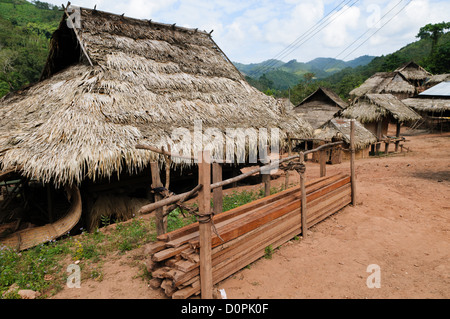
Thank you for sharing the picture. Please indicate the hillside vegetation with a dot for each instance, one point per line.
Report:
(279, 82)
(25, 32)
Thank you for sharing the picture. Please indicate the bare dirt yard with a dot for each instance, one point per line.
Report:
(400, 223)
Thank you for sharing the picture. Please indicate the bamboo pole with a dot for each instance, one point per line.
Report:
(205, 223)
(352, 161)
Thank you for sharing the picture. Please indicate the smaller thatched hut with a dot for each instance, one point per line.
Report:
(338, 128)
(436, 79)
(376, 111)
(413, 73)
(385, 82)
(320, 107)
(434, 106)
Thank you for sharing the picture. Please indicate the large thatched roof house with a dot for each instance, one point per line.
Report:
(116, 82)
(320, 106)
(413, 73)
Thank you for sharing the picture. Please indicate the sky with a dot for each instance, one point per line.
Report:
(251, 31)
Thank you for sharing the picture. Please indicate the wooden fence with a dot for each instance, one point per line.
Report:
(192, 259)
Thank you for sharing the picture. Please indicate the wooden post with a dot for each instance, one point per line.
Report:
(323, 162)
(286, 178)
(397, 134)
(386, 147)
(352, 161)
(303, 197)
(205, 223)
(159, 214)
(378, 146)
(217, 192)
(266, 176)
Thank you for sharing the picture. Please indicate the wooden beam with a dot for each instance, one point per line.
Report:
(397, 134)
(352, 161)
(205, 223)
(156, 183)
(303, 198)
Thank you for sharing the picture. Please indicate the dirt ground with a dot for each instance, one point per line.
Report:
(400, 223)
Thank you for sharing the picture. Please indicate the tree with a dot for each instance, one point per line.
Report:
(433, 32)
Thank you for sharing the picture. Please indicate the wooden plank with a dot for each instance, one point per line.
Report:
(169, 252)
(257, 218)
(311, 185)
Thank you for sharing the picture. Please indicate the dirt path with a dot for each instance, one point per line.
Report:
(400, 223)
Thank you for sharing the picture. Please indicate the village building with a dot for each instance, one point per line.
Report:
(320, 106)
(339, 129)
(376, 112)
(108, 85)
(406, 81)
(434, 107)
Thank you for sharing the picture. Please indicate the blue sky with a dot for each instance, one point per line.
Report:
(253, 31)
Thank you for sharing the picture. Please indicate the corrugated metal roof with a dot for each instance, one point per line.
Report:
(441, 89)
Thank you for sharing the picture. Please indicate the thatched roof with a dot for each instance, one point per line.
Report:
(411, 71)
(146, 79)
(320, 106)
(374, 107)
(384, 82)
(337, 127)
(437, 78)
(428, 104)
(435, 99)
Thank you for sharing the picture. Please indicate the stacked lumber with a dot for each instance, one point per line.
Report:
(242, 235)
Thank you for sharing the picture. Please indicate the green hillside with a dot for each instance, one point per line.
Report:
(342, 76)
(25, 32)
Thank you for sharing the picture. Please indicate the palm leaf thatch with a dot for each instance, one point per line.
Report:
(320, 106)
(340, 128)
(384, 82)
(375, 107)
(411, 71)
(117, 82)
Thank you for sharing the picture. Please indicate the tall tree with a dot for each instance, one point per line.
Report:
(433, 32)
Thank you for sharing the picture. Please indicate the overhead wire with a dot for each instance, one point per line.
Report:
(306, 35)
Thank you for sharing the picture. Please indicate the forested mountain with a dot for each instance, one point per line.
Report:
(25, 32)
(353, 73)
(285, 75)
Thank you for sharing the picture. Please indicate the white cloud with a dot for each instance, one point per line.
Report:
(256, 30)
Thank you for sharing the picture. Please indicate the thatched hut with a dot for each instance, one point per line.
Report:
(376, 111)
(116, 82)
(320, 106)
(434, 106)
(385, 82)
(436, 79)
(339, 129)
(413, 73)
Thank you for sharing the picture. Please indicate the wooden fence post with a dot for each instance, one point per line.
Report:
(303, 196)
(323, 162)
(159, 214)
(266, 176)
(205, 224)
(217, 192)
(286, 178)
(397, 134)
(352, 161)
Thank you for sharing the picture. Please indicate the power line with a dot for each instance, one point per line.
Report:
(378, 29)
(295, 44)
